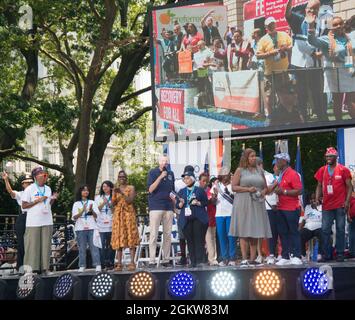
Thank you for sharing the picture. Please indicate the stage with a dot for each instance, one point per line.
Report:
(343, 276)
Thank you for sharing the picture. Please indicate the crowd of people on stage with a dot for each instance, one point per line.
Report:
(252, 206)
(313, 65)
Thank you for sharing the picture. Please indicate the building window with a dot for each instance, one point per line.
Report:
(111, 171)
(28, 164)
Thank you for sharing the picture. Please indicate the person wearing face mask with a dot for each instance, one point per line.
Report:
(334, 184)
(37, 200)
(160, 185)
(192, 202)
(339, 75)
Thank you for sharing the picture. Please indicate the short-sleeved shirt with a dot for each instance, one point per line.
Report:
(104, 218)
(18, 198)
(271, 199)
(338, 181)
(160, 199)
(223, 207)
(266, 45)
(289, 180)
(40, 214)
(85, 222)
(312, 217)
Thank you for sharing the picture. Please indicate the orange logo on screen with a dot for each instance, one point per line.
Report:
(165, 18)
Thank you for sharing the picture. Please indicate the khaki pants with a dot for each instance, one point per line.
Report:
(38, 247)
(211, 245)
(155, 218)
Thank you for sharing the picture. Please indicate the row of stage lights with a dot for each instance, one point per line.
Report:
(265, 284)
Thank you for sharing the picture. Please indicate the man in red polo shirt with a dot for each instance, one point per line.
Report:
(334, 182)
(288, 187)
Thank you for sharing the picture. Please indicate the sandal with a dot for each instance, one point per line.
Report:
(131, 267)
(118, 267)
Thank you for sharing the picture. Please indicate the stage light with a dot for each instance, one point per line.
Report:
(182, 285)
(315, 283)
(63, 287)
(223, 284)
(101, 286)
(26, 287)
(141, 285)
(267, 283)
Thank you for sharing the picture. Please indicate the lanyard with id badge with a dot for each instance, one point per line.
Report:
(107, 218)
(330, 189)
(42, 194)
(189, 194)
(86, 223)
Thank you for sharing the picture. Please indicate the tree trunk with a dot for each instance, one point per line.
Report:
(97, 151)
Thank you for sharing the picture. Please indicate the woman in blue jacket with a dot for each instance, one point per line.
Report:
(192, 201)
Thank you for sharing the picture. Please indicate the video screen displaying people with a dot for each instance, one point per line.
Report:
(287, 68)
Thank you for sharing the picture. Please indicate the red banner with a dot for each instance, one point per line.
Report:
(171, 105)
(256, 9)
(276, 9)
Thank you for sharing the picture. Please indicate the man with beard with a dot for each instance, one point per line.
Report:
(334, 182)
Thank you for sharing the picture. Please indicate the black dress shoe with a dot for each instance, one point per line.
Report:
(182, 262)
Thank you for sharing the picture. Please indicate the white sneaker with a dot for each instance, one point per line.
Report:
(213, 263)
(304, 259)
(81, 269)
(319, 257)
(232, 263)
(244, 264)
(279, 257)
(270, 259)
(98, 269)
(222, 264)
(283, 262)
(259, 259)
(296, 261)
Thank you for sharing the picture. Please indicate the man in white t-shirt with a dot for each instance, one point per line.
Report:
(222, 192)
(37, 200)
(20, 226)
(311, 225)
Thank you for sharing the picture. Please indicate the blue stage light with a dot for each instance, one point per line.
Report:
(315, 282)
(63, 287)
(182, 285)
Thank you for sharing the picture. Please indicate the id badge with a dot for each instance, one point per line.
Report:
(330, 189)
(86, 226)
(106, 221)
(45, 210)
(188, 212)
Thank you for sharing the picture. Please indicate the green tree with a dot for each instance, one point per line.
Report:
(82, 95)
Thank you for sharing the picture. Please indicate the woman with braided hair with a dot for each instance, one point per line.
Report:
(339, 77)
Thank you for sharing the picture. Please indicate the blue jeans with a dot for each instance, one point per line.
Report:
(328, 218)
(84, 238)
(287, 227)
(107, 255)
(226, 242)
(275, 235)
(352, 238)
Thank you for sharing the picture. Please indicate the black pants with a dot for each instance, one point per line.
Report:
(275, 235)
(307, 235)
(195, 233)
(107, 255)
(20, 228)
(314, 79)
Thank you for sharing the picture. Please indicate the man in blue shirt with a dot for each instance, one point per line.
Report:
(160, 185)
(305, 56)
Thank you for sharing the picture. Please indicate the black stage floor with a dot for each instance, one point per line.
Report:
(343, 275)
